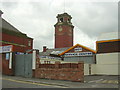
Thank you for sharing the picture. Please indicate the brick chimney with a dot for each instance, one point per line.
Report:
(1, 13)
(44, 48)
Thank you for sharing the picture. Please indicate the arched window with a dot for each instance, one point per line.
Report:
(68, 20)
(61, 19)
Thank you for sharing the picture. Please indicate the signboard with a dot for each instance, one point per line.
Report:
(78, 49)
(7, 56)
(79, 54)
(4, 49)
(19, 53)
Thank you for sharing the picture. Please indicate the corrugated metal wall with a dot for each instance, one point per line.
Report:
(85, 59)
(23, 65)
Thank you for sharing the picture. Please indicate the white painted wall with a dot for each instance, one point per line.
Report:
(107, 58)
(10, 61)
(34, 60)
(86, 69)
(104, 69)
(101, 69)
(107, 64)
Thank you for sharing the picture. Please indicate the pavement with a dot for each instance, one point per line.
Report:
(113, 79)
(94, 81)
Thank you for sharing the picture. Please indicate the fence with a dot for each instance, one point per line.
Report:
(58, 71)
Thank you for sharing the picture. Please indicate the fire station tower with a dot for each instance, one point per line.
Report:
(63, 31)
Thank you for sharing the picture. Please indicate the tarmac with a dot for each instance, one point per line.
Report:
(93, 81)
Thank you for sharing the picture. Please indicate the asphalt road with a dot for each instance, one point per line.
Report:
(90, 82)
(22, 84)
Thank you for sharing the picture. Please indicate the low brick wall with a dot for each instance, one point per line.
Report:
(57, 71)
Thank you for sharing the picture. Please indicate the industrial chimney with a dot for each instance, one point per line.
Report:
(44, 48)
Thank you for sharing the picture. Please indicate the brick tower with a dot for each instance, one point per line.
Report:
(63, 31)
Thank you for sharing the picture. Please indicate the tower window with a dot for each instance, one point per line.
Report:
(29, 43)
(61, 19)
(68, 20)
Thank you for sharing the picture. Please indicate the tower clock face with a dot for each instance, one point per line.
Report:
(60, 29)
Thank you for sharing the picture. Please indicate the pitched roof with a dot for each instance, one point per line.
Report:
(8, 26)
(76, 46)
(49, 51)
(10, 29)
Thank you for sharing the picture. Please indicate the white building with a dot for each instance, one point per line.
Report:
(107, 48)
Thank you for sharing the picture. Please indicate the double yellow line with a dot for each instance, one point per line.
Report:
(27, 82)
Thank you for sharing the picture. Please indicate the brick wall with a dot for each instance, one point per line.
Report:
(58, 71)
(20, 44)
(63, 38)
(5, 66)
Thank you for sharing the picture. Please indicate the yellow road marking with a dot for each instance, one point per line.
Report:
(109, 81)
(116, 82)
(31, 83)
(105, 81)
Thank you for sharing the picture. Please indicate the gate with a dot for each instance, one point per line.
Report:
(23, 65)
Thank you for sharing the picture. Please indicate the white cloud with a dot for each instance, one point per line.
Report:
(37, 19)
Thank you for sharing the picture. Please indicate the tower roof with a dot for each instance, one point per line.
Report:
(64, 14)
(64, 19)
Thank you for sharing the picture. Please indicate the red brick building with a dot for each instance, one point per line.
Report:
(12, 41)
(63, 31)
(11, 36)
